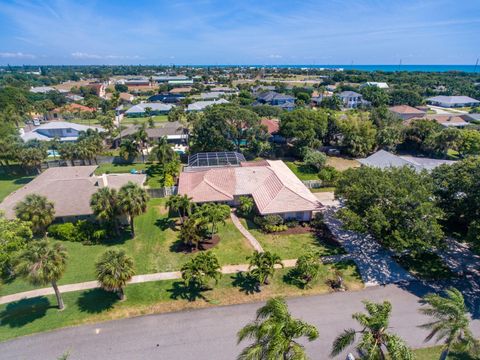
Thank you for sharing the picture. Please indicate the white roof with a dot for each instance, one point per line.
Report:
(42, 89)
(212, 95)
(35, 135)
(201, 105)
(454, 99)
(381, 85)
(140, 108)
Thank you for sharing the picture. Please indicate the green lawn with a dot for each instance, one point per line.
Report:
(40, 314)
(433, 353)
(153, 249)
(10, 183)
(302, 171)
(293, 245)
(323, 189)
(154, 176)
(425, 265)
(141, 120)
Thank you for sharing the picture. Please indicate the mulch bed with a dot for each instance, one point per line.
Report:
(210, 243)
(295, 230)
(322, 233)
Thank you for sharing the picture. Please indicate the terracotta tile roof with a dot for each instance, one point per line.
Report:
(273, 186)
(74, 107)
(406, 109)
(273, 125)
(448, 120)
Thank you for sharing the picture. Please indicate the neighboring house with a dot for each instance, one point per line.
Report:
(262, 88)
(180, 82)
(202, 105)
(167, 78)
(74, 97)
(448, 120)
(137, 82)
(166, 98)
(180, 90)
(175, 133)
(212, 95)
(273, 98)
(471, 117)
(352, 99)
(100, 89)
(453, 101)
(224, 89)
(72, 108)
(381, 85)
(70, 188)
(65, 131)
(383, 159)
(406, 112)
(273, 127)
(273, 186)
(156, 109)
(42, 89)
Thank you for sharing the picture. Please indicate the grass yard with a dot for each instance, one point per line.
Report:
(141, 120)
(40, 314)
(302, 171)
(10, 183)
(433, 353)
(154, 176)
(323, 189)
(425, 265)
(153, 249)
(342, 164)
(291, 246)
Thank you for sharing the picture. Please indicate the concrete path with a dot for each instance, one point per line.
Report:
(227, 269)
(254, 242)
(374, 263)
(211, 333)
(447, 111)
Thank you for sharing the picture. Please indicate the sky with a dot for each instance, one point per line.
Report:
(263, 32)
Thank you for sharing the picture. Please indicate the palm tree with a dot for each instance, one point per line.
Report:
(263, 264)
(274, 332)
(141, 138)
(214, 213)
(68, 152)
(41, 264)
(113, 270)
(104, 204)
(190, 233)
(198, 271)
(132, 201)
(37, 210)
(182, 204)
(375, 339)
(306, 269)
(163, 152)
(128, 149)
(451, 321)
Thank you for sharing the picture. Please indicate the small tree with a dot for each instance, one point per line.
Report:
(197, 273)
(104, 204)
(41, 264)
(306, 269)
(376, 340)
(191, 233)
(214, 213)
(315, 159)
(182, 204)
(274, 333)
(37, 210)
(113, 270)
(132, 201)
(450, 322)
(246, 205)
(262, 266)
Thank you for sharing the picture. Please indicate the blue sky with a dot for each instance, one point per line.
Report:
(239, 32)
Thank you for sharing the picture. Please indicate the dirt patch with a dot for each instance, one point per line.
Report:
(206, 244)
(210, 243)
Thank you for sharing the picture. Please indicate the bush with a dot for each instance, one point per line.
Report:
(246, 205)
(314, 158)
(270, 223)
(63, 232)
(329, 175)
(291, 223)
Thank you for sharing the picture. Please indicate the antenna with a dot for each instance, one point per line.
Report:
(400, 64)
(476, 65)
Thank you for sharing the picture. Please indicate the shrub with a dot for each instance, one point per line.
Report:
(329, 175)
(270, 223)
(317, 221)
(291, 223)
(306, 270)
(314, 158)
(64, 232)
(246, 205)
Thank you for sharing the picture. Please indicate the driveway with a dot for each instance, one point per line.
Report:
(211, 333)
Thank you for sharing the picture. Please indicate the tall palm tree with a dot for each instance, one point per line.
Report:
(163, 152)
(41, 264)
(132, 201)
(375, 341)
(214, 213)
(274, 333)
(262, 265)
(451, 322)
(104, 204)
(113, 270)
(37, 210)
(141, 138)
(129, 149)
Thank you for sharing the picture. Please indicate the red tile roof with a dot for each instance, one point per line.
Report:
(273, 125)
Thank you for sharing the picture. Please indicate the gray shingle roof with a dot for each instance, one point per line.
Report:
(140, 108)
(453, 99)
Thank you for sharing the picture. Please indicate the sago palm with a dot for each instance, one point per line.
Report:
(37, 210)
(274, 333)
(114, 269)
(132, 201)
(41, 264)
(450, 323)
(376, 341)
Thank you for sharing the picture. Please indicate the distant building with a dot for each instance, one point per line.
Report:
(65, 131)
(42, 89)
(180, 90)
(139, 110)
(202, 105)
(166, 98)
(273, 128)
(453, 101)
(286, 102)
(74, 97)
(212, 95)
(381, 85)
(457, 121)
(406, 112)
(174, 132)
(100, 89)
(167, 78)
(383, 159)
(352, 99)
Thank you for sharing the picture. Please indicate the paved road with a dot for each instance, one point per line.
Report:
(211, 333)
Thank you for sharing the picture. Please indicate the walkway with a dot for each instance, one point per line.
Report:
(227, 269)
(374, 263)
(254, 242)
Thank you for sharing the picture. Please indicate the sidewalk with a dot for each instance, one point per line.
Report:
(254, 242)
(227, 269)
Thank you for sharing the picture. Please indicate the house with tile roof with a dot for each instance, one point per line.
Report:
(452, 101)
(273, 186)
(406, 112)
(70, 189)
(64, 130)
(202, 105)
(139, 110)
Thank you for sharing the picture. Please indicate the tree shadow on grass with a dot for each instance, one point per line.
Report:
(166, 223)
(180, 291)
(25, 311)
(245, 283)
(96, 301)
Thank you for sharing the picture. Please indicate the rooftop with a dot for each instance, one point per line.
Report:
(453, 99)
(406, 109)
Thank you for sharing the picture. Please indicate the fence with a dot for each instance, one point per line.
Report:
(162, 192)
(313, 184)
(99, 160)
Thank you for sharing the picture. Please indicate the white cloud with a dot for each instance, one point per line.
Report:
(17, 55)
(82, 55)
(275, 56)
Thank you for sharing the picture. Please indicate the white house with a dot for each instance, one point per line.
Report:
(65, 131)
(452, 101)
(381, 85)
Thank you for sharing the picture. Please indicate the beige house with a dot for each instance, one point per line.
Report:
(70, 190)
(272, 185)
